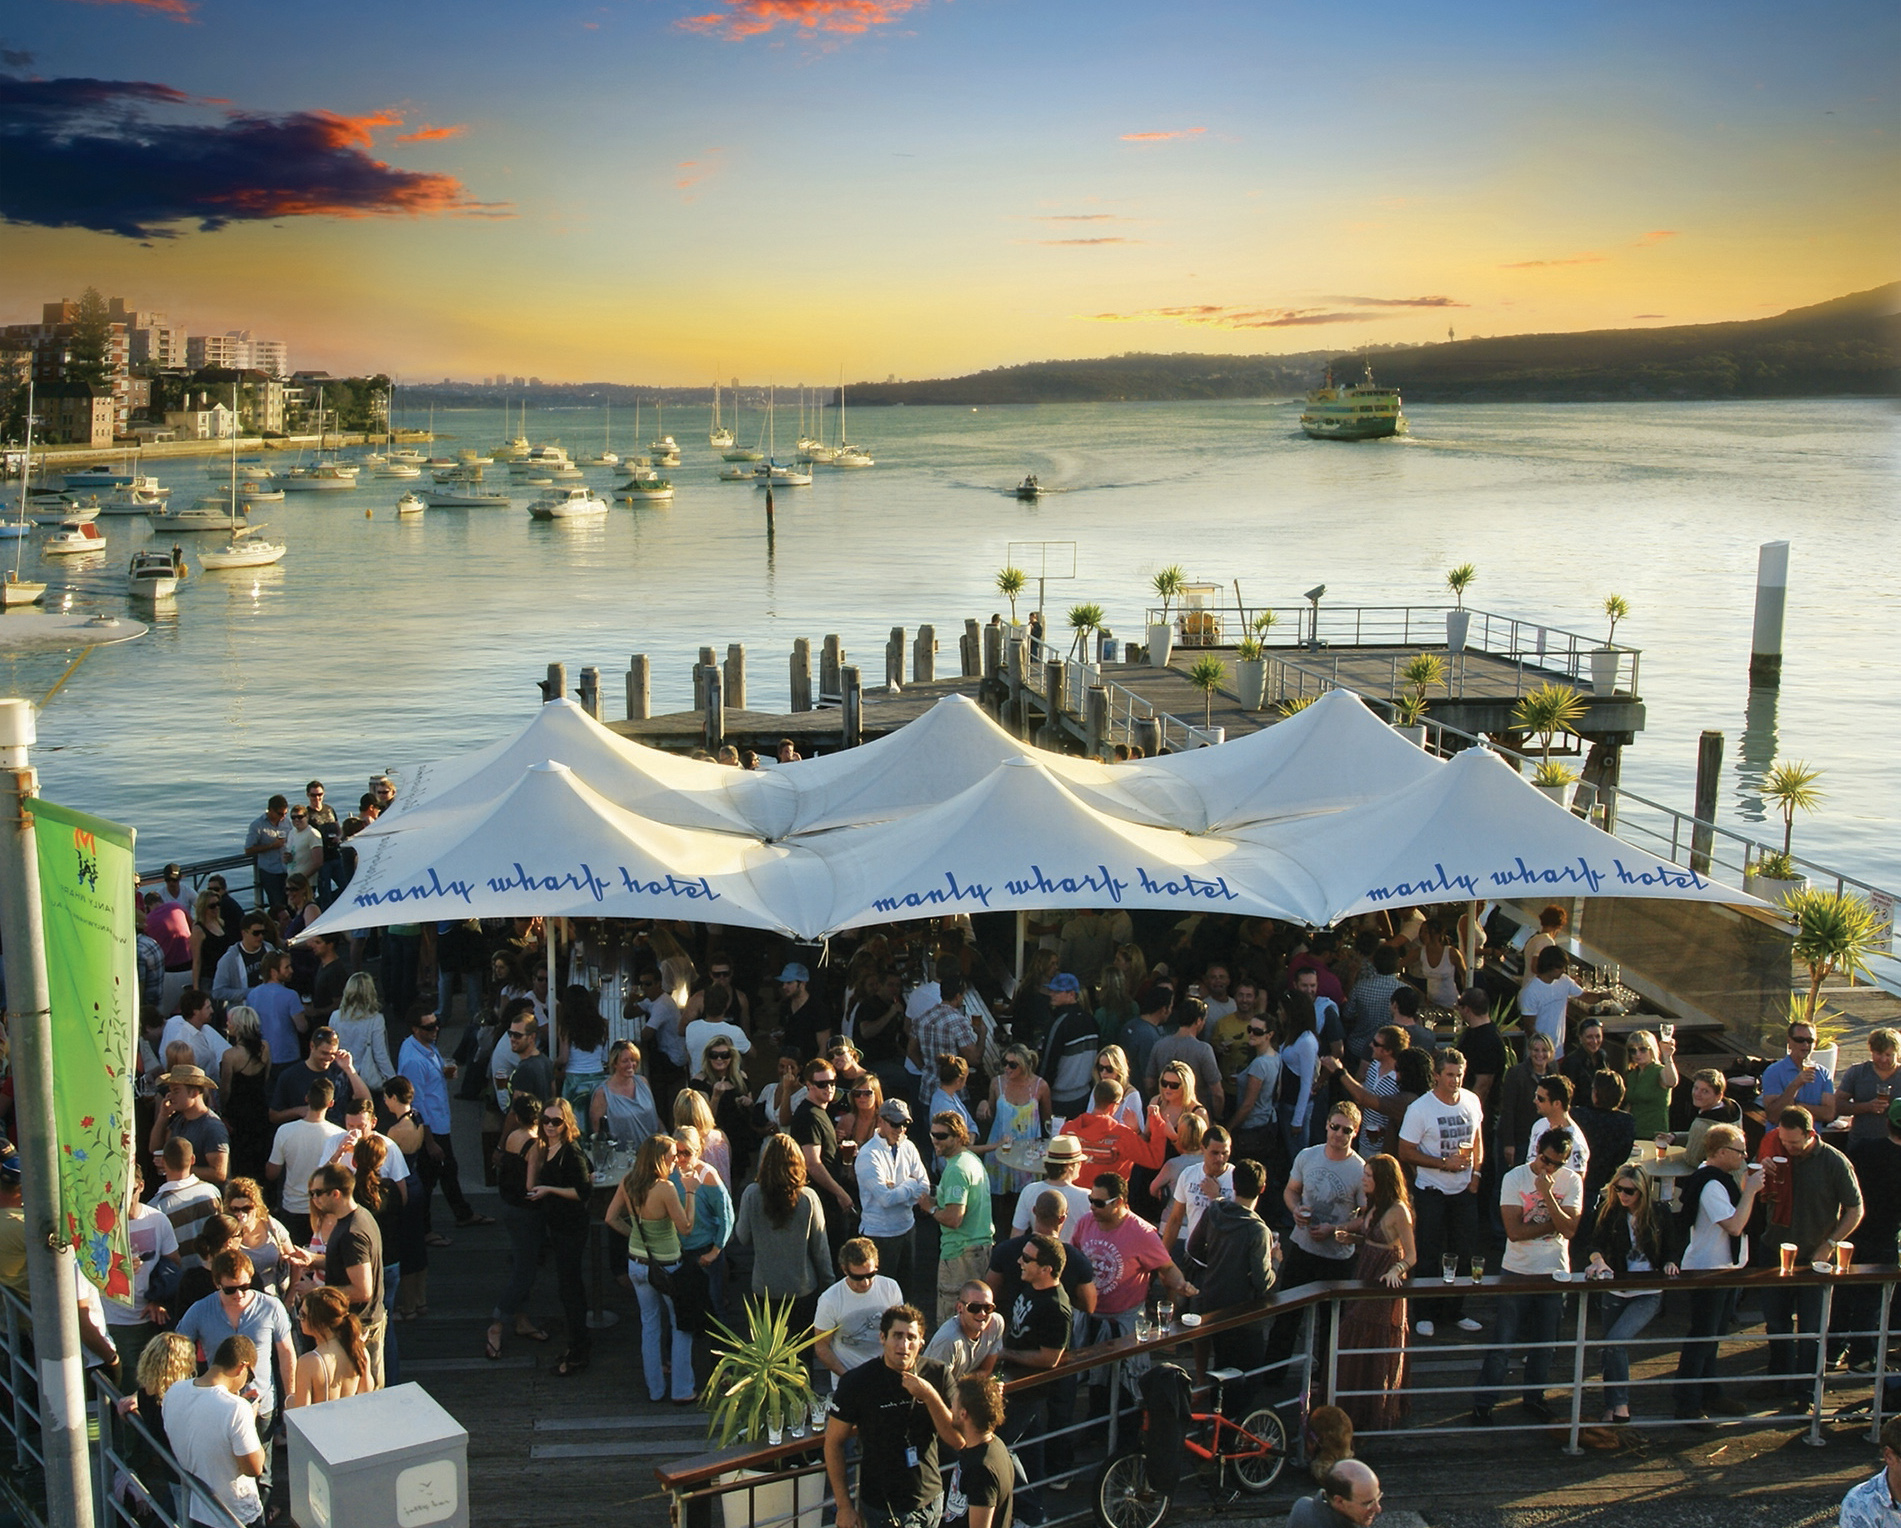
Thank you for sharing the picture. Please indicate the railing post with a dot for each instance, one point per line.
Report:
(1814, 1437)
(1881, 1363)
(1310, 1329)
(1333, 1350)
(1115, 1404)
(1577, 1373)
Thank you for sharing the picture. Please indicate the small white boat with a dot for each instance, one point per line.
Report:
(130, 500)
(605, 457)
(569, 504)
(852, 456)
(244, 552)
(60, 514)
(464, 496)
(739, 472)
(74, 538)
(410, 456)
(567, 472)
(251, 471)
(645, 485)
(323, 477)
(718, 436)
(155, 575)
(260, 493)
(16, 591)
(814, 451)
(394, 469)
(210, 513)
(539, 461)
(771, 474)
(410, 504)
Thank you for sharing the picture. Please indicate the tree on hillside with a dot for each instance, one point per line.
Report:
(90, 356)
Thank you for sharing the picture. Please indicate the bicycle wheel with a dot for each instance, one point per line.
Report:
(1123, 1496)
(1256, 1472)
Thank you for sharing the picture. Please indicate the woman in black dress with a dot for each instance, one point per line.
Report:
(244, 1093)
(560, 1179)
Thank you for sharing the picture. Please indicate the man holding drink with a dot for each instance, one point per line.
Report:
(1814, 1203)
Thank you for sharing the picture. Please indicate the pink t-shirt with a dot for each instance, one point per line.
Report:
(1123, 1259)
(170, 925)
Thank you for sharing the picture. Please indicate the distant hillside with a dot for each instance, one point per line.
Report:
(1848, 347)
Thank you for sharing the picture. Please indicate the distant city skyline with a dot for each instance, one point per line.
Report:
(676, 190)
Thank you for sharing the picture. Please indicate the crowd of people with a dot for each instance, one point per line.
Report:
(951, 1176)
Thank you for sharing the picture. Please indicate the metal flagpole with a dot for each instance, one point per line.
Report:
(50, 1270)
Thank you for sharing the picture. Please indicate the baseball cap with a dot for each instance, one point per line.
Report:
(10, 1168)
(1064, 982)
(895, 1111)
(794, 972)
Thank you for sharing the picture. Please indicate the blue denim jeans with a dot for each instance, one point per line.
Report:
(1534, 1318)
(656, 1314)
(1624, 1319)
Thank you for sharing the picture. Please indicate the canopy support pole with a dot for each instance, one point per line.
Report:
(554, 986)
(1023, 933)
(1472, 943)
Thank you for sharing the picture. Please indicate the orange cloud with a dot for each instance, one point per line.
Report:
(1400, 302)
(1532, 265)
(693, 171)
(178, 10)
(1079, 217)
(1213, 316)
(428, 134)
(1055, 242)
(342, 132)
(1656, 236)
(1179, 132)
(750, 18)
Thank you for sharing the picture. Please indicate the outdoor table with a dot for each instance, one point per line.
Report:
(1023, 1155)
(599, 1317)
(1666, 1167)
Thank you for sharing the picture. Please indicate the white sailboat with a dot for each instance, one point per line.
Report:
(245, 549)
(325, 475)
(848, 455)
(15, 590)
(769, 473)
(719, 437)
(605, 457)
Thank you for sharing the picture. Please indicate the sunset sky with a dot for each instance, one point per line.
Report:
(669, 190)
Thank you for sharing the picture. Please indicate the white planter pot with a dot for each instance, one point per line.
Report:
(1250, 678)
(1458, 623)
(1415, 734)
(1771, 888)
(1604, 670)
(773, 1502)
(1161, 643)
(1558, 793)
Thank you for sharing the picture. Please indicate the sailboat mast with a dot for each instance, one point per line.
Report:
(26, 475)
(233, 508)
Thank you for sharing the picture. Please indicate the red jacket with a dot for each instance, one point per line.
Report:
(1111, 1146)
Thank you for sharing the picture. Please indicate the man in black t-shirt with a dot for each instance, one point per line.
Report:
(1877, 1167)
(353, 1253)
(817, 1136)
(1078, 1278)
(1036, 1330)
(898, 1479)
(982, 1485)
(805, 1022)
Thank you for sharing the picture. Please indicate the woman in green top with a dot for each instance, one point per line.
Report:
(655, 1215)
(1649, 1082)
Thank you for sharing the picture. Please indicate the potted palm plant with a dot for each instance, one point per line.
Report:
(1555, 780)
(1548, 710)
(1459, 620)
(1409, 717)
(1161, 634)
(1207, 676)
(1084, 621)
(1010, 582)
(1604, 659)
(758, 1386)
(1833, 932)
(1293, 705)
(1790, 788)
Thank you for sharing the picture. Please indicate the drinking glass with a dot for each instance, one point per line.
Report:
(797, 1429)
(1144, 1327)
(819, 1408)
(1666, 1031)
(775, 1430)
(1478, 1267)
(1844, 1256)
(1449, 1267)
(1164, 1313)
(1788, 1257)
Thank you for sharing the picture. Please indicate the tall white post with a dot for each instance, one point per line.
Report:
(50, 1273)
(1772, 594)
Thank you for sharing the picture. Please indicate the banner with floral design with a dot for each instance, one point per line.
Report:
(87, 892)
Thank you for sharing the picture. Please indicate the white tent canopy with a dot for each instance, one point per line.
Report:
(550, 845)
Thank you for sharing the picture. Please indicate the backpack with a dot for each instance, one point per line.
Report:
(1690, 1197)
(1167, 1398)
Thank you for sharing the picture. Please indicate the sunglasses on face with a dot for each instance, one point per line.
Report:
(980, 1310)
(863, 1093)
(231, 1290)
(1627, 1189)
(1339, 1130)
(1013, 1066)
(823, 1082)
(721, 976)
(940, 1135)
(719, 1055)
(1101, 1204)
(1170, 1083)
(521, 1034)
(1254, 1031)
(241, 1209)
(861, 1278)
(429, 1029)
(1550, 1161)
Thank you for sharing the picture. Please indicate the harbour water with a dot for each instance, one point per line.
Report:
(378, 644)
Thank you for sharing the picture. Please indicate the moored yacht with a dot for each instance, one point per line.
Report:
(569, 504)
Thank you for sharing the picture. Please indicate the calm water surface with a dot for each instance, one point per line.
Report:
(378, 644)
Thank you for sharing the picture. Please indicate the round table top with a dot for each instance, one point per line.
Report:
(1024, 1155)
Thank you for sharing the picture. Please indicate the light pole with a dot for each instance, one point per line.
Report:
(50, 1267)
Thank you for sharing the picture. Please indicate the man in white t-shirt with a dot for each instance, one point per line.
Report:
(701, 1033)
(1718, 1239)
(213, 1430)
(1441, 1140)
(300, 1147)
(1061, 1162)
(849, 1312)
(1541, 1202)
(192, 1024)
(1197, 1186)
(1548, 997)
(1552, 1100)
(133, 1323)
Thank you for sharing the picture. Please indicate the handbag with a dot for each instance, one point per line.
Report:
(658, 1277)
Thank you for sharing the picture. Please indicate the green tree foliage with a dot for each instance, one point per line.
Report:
(90, 353)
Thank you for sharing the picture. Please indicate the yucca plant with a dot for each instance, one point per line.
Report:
(1207, 675)
(1084, 619)
(1424, 671)
(1459, 579)
(1548, 773)
(759, 1380)
(1010, 582)
(1249, 649)
(1167, 584)
(1294, 705)
(1616, 607)
(1547, 710)
(1409, 709)
(1833, 932)
(1264, 622)
(1790, 788)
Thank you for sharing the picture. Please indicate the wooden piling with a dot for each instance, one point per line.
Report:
(639, 689)
(588, 692)
(851, 696)
(924, 655)
(1096, 721)
(736, 675)
(713, 730)
(993, 652)
(1772, 593)
(894, 659)
(1051, 735)
(802, 674)
(970, 649)
(1709, 768)
(1148, 733)
(555, 686)
(831, 659)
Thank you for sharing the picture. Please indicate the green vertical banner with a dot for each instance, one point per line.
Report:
(87, 888)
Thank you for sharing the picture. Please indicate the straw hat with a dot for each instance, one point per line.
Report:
(1063, 1148)
(186, 1077)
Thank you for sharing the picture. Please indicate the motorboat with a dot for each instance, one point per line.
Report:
(569, 504)
(645, 485)
(68, 510)
(773, 475)
(130, 500)
(100, 476)
(466, 454)
(852, 456)
(739, 472)
(410, 504)
(567, 472)
(539, 461)
(155, 575)
(16, 591)
(14, 530)
(322, 477)
(243, 552)
(260, 493)
(210, 513)
(664, 450)
(457, 472)
(741, 454)
(409, 456)
(1029, 488)
(396, 469)
(464, 495)
(74, 538)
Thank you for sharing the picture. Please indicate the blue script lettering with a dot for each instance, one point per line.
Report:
(937, 896)
(1097, 880)
(1663, 875)
(1523, 874)
(583, 879)
(436, 887)
(1183, 884)
(693, 888)
(1438, 881)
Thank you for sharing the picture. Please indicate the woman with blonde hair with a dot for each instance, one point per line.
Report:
(560, 1178)
(667, 1020)
(722, 1080)
(264, 1239)
(209, 937)
(1189, 1135)
(1625, 1238)
(654, 1215)
(1112, 1064)
(1377, 1328)
(168, 1360)
(1175, 1099)
(690, 1108)
(363, 1031)
(623, 1105)
(338, 1363)
(1018, 1104)
(781, 1219)
(244, 1090)
(1650, 1077)
(858, 1121)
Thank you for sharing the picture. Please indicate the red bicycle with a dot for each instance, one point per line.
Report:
(1231, 1457)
